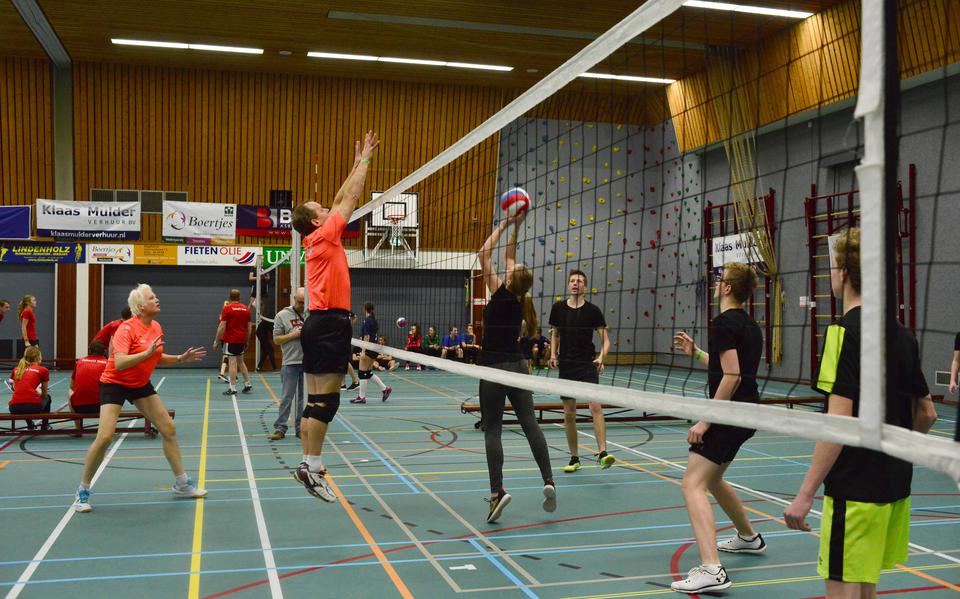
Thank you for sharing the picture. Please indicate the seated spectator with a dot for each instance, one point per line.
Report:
(84, 393)
(414, 343)
(431, 343)
(540, 351)
(451, 345)
(385, 361)
(469, 349)
(30, 381)
(354, 361)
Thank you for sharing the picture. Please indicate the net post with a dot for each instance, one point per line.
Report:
(258, 302)
(294, 264)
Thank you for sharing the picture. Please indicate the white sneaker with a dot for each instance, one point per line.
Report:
(549, 497)
(315, 483)
(81, 502)
(737, 544)
(701, 579)
(189, 490)
(9, 384)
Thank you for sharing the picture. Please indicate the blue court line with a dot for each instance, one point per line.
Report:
(379, 457)
(496, 563)
(767, 455)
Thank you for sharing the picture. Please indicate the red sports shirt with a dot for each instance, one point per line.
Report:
(25, 390)
(86, 380)
(328, 276)
(237, 317)
(107, 332)
(133, 337)
(31, 319)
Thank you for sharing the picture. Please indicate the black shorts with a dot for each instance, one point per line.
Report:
(581, 372)
(86, 409)
(325, 338)
(234, 349)
(111, 393)
(372, 354)
(721, 442)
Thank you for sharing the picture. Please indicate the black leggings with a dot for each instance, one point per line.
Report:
(492, 400)
(33, 408)
(265, 337)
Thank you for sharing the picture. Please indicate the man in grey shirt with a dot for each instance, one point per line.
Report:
(286, 333)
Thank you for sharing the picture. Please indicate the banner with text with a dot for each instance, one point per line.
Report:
(261, 221)
(739, 247)
(14, 222)
(199, 222)
(109, 253)
(88, 220)
(39, 252)
(215, 255)
(273, 254)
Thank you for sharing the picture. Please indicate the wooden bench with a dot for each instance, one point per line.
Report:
(61, 417)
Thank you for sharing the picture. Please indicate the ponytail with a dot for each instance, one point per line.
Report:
(30, 356)
(529, 316)
(23, 305)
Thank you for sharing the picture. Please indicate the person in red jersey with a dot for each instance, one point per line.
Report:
(28, 320)
(137, 351)
(84, 394)
(326, 334)
(28, 376)
(105, 334)
(234, 331)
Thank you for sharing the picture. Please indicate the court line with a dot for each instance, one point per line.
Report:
(383, 461)
(193, 591)
(506, 572)
(58, 530)
(275, 591)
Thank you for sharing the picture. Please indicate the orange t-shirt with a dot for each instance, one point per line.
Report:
(86, 381)
(31, 319)
(132, 337)
(25, 389)
(328, 276)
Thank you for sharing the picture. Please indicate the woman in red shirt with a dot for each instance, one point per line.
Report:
(137, 351)
(28, 320)
(84, 394)
(414, 343)
(27, 377)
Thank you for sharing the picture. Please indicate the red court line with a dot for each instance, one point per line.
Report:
(411, 546)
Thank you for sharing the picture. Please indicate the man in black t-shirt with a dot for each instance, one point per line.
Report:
(574, 320)
(368, 332)
(865, 526)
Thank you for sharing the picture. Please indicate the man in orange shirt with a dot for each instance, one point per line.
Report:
(234, 330)
(327, 331)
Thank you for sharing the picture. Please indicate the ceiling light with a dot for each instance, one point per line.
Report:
(417, 61)
(182, 46)
(756, 10)
(627, 78)
(126, 42)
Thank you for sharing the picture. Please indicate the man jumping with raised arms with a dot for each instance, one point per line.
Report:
(326, 333)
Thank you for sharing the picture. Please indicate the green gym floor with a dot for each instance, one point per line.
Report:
(413, 475)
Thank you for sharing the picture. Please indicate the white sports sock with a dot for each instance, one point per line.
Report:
(84, 487)
(182, 479)
(314, 463)
(711, 568)
(303, 458)
(376, 379)
(363, 387)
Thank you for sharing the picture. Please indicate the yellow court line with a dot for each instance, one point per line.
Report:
(194, 590)
(3, 464)
(276, 400)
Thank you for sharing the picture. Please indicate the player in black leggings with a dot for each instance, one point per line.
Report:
(508, 306)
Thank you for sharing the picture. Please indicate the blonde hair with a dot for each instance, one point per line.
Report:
(24, 304)
(138, 297)
(520, 283)
(741, 278)
(30, 356)
(846, 251)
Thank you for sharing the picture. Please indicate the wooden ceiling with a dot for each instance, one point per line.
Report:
(454, 30)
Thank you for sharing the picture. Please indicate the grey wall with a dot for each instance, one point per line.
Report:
(17, 280)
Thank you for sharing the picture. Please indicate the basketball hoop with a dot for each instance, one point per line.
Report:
(396, 227)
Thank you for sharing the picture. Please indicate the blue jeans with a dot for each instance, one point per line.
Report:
(291, 376)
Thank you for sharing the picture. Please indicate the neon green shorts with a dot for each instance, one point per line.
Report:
(860, 539)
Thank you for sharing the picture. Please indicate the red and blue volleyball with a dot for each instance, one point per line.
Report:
(514, 201)
(402, 322)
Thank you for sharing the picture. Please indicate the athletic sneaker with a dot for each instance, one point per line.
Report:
(230, 392)
(738, 544)
(359, 400)
(247, 388)
(315, 483)
(606, 460)
(386, 393)
(701, 580)
(574, 464)
(81, 503)
(188, 490)
(223, 378)
(496, 506)
(549, 496)
(277, 435)
(353, 385)
(9, 384)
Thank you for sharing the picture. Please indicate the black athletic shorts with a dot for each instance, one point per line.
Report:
(111, 393)
(325, 338)
(86, 409)
(582, 372)
(234, 349)
(370, 353)
(721, 442)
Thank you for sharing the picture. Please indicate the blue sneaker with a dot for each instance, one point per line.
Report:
(81, 502)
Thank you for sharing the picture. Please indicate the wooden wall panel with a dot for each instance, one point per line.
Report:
(814, 63)
(67, 315)
(231, 137)
(26, 131)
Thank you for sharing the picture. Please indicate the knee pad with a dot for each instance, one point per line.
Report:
(322, 407)
(364, 374)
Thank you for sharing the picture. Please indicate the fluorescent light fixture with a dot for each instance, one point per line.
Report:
(182, 46)
(417, 61)
(627, 78)
(126, 42)
(754, 10)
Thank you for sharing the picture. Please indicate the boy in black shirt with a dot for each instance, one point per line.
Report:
(574, 320)
(865, 525)
(735, 346)
(368, 332)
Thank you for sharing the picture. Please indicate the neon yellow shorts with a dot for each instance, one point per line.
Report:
(860, 539)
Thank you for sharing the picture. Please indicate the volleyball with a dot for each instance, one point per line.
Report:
(514, 201)
(402, 322)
